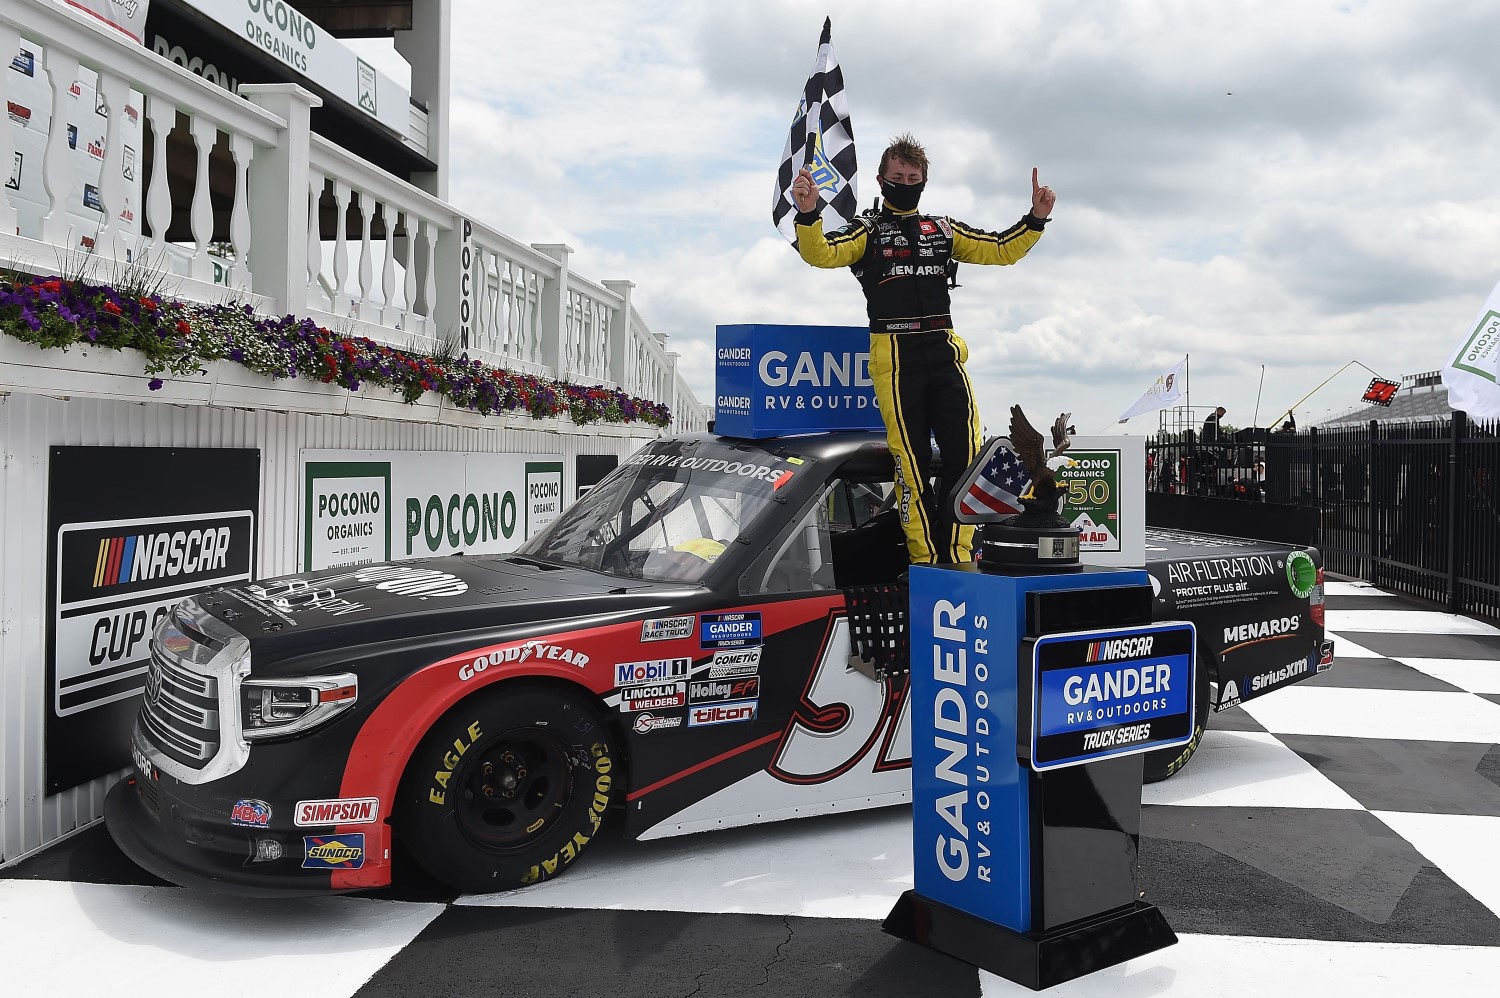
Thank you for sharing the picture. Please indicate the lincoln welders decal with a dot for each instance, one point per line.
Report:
(118, 559)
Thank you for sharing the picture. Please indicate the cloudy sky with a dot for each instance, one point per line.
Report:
(1286, 183)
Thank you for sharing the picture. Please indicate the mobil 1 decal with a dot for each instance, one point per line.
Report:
(130, 532)
(1111, 692)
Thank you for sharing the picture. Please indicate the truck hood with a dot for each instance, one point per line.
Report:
(430, 599)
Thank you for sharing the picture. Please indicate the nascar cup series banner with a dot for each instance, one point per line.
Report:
(778, 380)
(361, 507)
(130, 532)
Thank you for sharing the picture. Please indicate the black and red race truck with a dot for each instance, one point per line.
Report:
(672, 655)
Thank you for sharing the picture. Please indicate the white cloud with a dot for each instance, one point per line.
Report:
(1283, 183)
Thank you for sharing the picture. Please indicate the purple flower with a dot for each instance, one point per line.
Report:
(92, 334)
(237, 354)
(154, 384)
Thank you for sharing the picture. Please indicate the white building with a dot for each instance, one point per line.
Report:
(241, 147)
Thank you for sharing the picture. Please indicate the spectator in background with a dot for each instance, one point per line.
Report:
(1290, 426)
(1210, 433)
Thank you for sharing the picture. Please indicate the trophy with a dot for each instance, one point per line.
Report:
(1038, 538)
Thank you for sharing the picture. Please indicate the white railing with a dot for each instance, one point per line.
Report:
(313, 229)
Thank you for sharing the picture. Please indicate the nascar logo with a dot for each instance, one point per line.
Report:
(1118, 648)
(163, 555)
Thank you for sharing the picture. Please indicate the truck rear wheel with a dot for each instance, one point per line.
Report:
(1166, 763)
(507, 789)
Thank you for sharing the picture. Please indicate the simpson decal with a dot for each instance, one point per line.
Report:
(353, 811)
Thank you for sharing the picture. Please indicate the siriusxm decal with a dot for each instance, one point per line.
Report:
(776, 380)
(729, 630)
(1099, 694)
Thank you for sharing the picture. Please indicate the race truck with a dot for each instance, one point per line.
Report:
(672, 655)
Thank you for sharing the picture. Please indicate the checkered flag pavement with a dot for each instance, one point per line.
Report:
(821, 135)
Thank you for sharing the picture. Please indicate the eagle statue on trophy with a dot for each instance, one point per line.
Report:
(1041, 497)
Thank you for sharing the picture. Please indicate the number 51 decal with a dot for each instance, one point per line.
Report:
(841, 716)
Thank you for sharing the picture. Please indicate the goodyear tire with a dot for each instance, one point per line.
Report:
(1166, 763)
(508, 788)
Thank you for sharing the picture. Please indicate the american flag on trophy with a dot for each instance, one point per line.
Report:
(997, 488)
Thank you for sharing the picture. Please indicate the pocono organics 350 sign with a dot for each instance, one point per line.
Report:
(367, 506)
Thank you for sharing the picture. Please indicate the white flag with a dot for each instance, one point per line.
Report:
(822, 135)
(1166, 390)
(1473, 373)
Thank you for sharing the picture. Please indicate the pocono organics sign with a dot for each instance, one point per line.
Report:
(774, 380)
(365, 506)
(1099, 694)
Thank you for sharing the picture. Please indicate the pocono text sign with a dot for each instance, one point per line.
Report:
(1106, 693)
(778, 380)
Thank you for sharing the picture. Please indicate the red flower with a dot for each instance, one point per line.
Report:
(112, 308)
(149, 304)
(183, 327)
(333, 367)
(53, 285)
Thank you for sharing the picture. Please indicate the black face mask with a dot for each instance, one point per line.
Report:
(901, 197)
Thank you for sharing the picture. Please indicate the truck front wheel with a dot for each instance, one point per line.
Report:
(508, 788)
(1166, 763)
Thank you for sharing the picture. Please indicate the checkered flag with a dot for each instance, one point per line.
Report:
(821, 136)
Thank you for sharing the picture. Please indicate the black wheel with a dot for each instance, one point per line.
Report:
(1166, 763)
(508, 788)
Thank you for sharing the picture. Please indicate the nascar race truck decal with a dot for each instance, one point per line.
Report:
(671, 654)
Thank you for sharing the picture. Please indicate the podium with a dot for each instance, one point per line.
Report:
(1033, 697)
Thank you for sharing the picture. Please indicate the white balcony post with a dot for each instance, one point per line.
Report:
(10, 41)
(449, 292)
(619, 333)
(552, 323)
(428, 48)
(279, 202)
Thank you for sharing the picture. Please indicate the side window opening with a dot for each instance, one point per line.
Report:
(851, 536)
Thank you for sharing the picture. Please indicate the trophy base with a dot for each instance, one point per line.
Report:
(1027, 543)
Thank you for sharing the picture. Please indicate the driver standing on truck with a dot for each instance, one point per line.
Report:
(903, 261)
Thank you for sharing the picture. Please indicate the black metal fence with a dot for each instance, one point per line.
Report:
(1411, 507)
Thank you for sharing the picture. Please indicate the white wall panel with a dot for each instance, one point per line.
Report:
(30, 424)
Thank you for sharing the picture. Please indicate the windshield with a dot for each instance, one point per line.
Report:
(668, 512)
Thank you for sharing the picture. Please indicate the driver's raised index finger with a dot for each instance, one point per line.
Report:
(1034, 185)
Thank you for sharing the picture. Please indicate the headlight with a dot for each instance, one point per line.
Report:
(284, 708)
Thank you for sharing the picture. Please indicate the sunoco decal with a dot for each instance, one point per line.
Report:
(333, 852)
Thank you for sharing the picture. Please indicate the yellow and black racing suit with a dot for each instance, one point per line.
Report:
(916, 359)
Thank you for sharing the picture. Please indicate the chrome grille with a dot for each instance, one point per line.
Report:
(180, 714)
